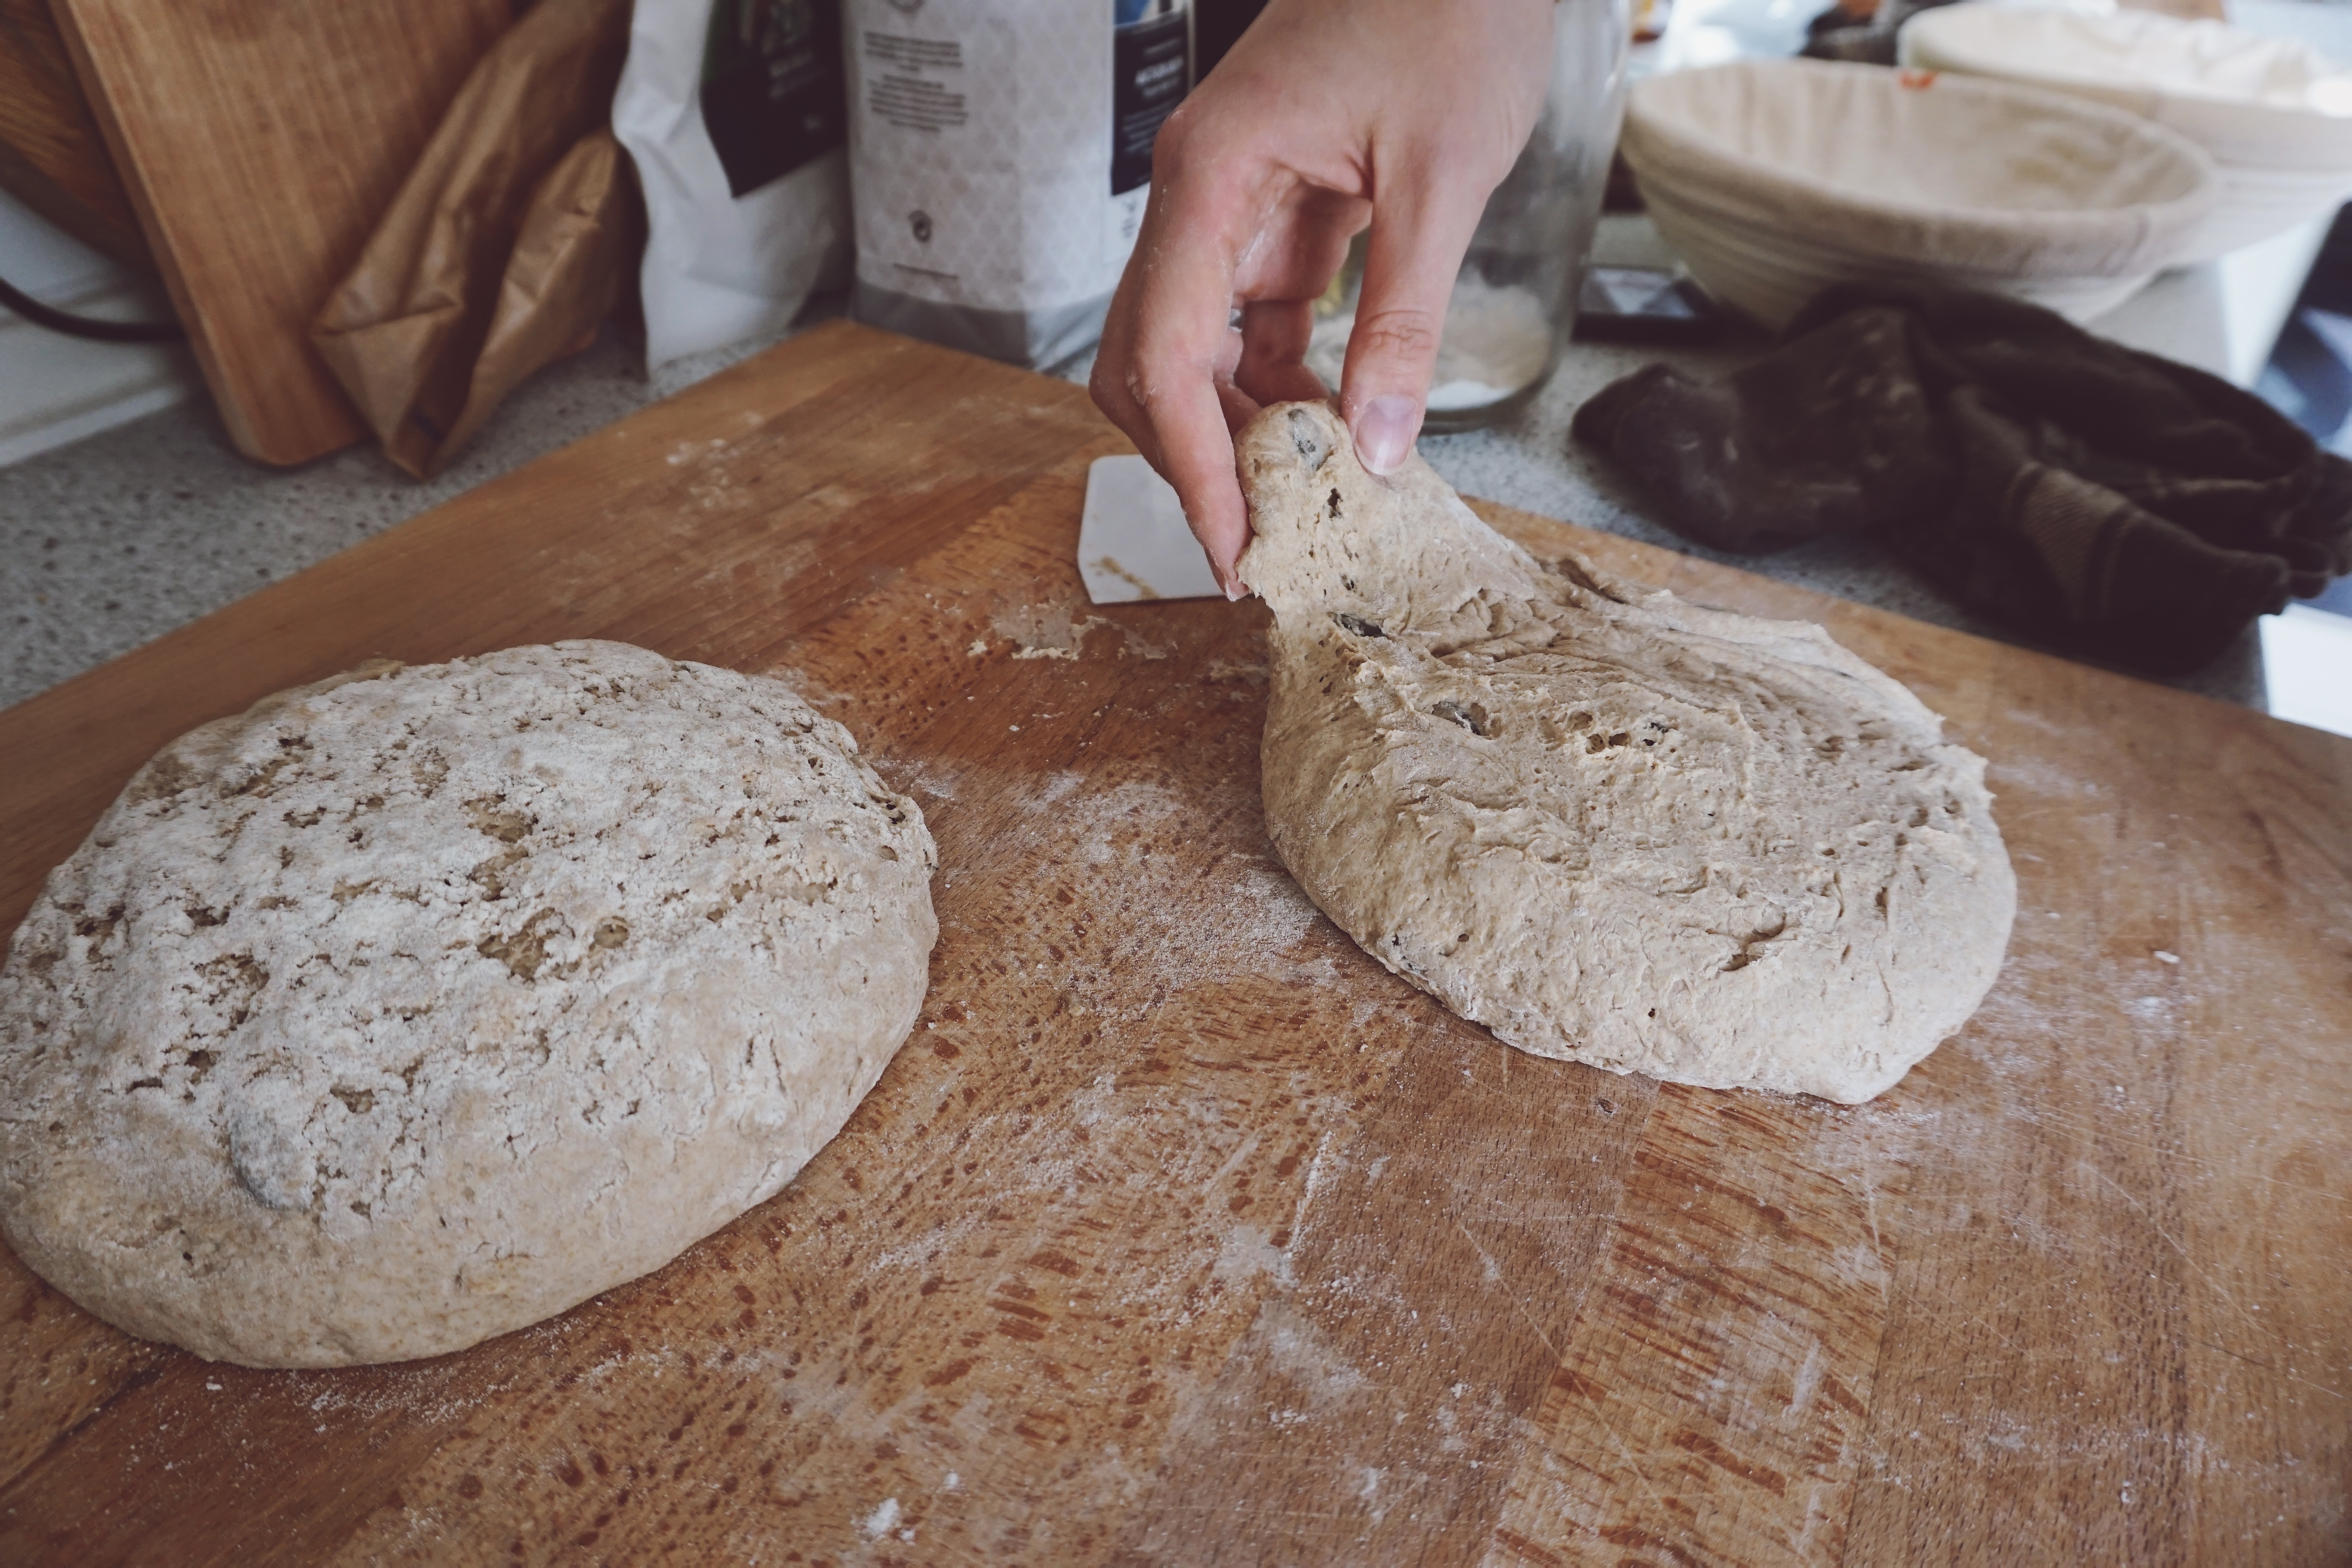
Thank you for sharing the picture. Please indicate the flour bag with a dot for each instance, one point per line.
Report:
(1000, 155)
(734, 112)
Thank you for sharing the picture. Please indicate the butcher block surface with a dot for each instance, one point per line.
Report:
(1180, 1232)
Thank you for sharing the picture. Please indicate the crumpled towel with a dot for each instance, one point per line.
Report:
(2093, 497)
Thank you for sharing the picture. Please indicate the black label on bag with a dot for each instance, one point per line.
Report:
(1152, 57)
(773, 90)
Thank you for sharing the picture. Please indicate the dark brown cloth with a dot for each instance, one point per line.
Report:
(2091, 496)
(1862, 30)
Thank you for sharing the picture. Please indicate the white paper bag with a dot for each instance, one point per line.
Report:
(1000, 158)
(733, 111)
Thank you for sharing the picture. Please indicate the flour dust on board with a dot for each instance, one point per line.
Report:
(999, 157)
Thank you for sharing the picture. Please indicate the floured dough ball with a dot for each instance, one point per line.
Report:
(1611, 826)
(419, 1005)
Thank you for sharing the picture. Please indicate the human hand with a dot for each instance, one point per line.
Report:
(1327, 116)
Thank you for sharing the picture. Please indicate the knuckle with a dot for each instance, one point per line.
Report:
(1104, 388)
(1200, 154)
(1144, 394)
(1178, 133)
(1106, 381)
(1398, 334)
(1152, 367)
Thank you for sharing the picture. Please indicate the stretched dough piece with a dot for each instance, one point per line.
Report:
(416, 1005)
(1611, 826)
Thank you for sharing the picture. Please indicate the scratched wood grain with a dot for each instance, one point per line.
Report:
(1180, 1232)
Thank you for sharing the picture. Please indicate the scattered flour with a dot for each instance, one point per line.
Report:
(1054, 631)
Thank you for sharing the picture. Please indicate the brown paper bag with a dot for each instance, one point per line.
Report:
(577, 253)
(505, 247)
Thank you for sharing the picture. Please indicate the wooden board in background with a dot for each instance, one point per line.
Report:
(51, 156)
(260, 143)
(1181, 1233)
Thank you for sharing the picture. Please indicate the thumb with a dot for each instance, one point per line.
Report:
(1418, 238)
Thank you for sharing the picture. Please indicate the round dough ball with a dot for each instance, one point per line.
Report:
(416, 1005)
(1611, 826)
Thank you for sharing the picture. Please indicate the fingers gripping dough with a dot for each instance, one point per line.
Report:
(1611, 826)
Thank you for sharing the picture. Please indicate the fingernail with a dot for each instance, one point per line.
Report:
(1235, 590)
(1385, 432)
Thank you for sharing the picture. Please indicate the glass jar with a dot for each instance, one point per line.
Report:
(1514, 298)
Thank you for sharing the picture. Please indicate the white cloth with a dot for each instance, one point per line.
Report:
(2276, 115)
(1775, 177)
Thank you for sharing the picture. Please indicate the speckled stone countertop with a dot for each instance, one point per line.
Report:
(120, 538)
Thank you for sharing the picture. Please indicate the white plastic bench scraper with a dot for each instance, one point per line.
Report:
(1132, 542)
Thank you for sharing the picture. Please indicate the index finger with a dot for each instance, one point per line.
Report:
(1171, 363)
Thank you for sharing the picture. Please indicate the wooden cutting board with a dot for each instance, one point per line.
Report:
(51, 156)
(1180, 1232)
(260, 140)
